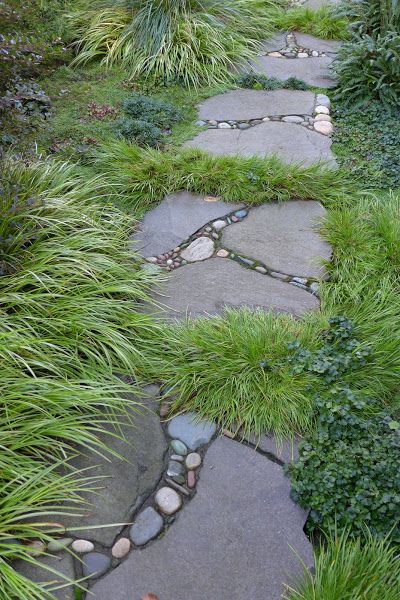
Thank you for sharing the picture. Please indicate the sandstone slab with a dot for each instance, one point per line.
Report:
(256, 104)
(290, 142)
(125, 481)
(236, 539)
(315, 71)
(284, 236)
(205, 288)
(176, 218)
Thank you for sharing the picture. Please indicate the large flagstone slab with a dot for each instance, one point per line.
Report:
(284, 236)
(204, 288)
(314, 71)
(290, 142)
(240, 537)
(256, 104)
(176, 218)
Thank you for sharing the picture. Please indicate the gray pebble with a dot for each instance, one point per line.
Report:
(179, 447)
(147, 526)
(95, 564)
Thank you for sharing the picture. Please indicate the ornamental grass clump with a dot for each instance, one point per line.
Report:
(188, 41)
(69, 290)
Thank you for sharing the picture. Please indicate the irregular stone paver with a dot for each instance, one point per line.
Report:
(255, 104)
(191, 431)
(292, 143)
(174, 219)
(147, 526)
(284, 450)
(314, 71)
(62, 563)
(283, 236)
(309, 41)
(236, 539)
(204, 288)
(127, 481)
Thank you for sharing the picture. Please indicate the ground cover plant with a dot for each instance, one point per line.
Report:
(258, 81)
(140, 177)
(347, 569)
(190, 41)
(69, 288)
(367, 144)
(323, 22)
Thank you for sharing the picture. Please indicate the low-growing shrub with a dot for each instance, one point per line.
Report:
(258, 81)
(364, 568)
(348, 469)
(324, 22)
(139, 131)
(161, 114)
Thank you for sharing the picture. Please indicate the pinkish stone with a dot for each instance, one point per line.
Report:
(121, 548)
(222, 253)
(234, 219)
(191, 479)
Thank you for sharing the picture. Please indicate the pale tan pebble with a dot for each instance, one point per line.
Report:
(322, 110)
(149, 597)
(275, 54)
(222, 253)
(323, 127)
(81, 546)
(151, 259)
(193, 460)
(212, 198)
(323, 118)
(121, 548)
(302, 55)
(168, 500)
(228, 433)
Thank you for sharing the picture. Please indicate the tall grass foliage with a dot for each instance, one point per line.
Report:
(69, 290)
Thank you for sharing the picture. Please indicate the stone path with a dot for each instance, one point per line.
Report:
(194, 513)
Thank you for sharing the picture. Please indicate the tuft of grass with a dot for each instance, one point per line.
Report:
(69, 291)
(191, 41)
(139, 177)
(347, 569)
(232, 369)
(323, 22)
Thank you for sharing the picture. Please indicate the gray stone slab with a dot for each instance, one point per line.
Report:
(191, 431)
(175, 219)
(255, 104)
(204, 288)
(62, 563)
(290, 142)
(315, 4)
(276, 42)
(236, 539)
(125, 482)
(285, 450)
(313, 43)
(314, 71)
(284, 236)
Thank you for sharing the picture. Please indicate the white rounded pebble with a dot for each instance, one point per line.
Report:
(220, 224)
(82, 546)
(302, 55)
(222, 253)
(168, 500)
(324, 110)
(193, 460)
(323, 118)
(314, 52)
(224, 126)
(121, 548)
(170, 261)
(323, 127)
(265, 119)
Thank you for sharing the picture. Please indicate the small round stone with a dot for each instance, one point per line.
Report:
(234, 219)
(314, 287)
(175, 469)
(168, 500)
(275, 54)
(323, 100)
(314, 53)
(265, 119)
(151, 259)
(164, 409)
(224, 126)
(121, 548)
(241, 214)
(322, 118)
(147, 526)
(177, 249)
(321, 110)
(218, 225)
(95, 564)
(177, 458)
(81, 546)
(208, 229)
(261, 270)
(179, 447)
(302, 55)
(200, 123)
(292, 119)
(215, 235)
(323, 127)
(222, 253)
(191, 479)
(244, 126)
(301, 280)
(170, 261)
(193, 460)
(212, 122)
(59, 545)
(176, 264)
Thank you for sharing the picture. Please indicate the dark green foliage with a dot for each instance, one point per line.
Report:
(348, 472)
(139, 131)
(367, 143)
(161, 114)
(257, 81)
(341, 353)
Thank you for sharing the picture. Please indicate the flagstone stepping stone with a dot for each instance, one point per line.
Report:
(290, 142)
(205, 288)
(123, 483)
(315, 71)
(283, 236)
(62, 563)
(310, 41)
(191, 430)
(286, 450)
(175, 219)
(241, 536)
(255, 104)
(147, 526)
